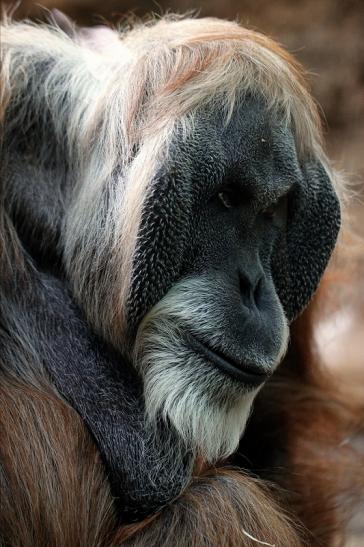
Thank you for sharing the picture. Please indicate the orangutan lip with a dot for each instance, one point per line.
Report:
(250, 375)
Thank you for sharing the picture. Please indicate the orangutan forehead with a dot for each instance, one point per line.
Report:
(255, 150)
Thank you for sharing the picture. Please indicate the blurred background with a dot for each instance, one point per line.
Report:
(327, 36)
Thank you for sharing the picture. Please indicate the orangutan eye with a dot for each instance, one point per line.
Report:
(230, 197)
(226, 198)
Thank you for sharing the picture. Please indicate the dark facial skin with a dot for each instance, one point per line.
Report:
(240, 218)
(235, 202)
(236, 182)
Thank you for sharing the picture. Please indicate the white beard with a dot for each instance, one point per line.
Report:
(208, 408)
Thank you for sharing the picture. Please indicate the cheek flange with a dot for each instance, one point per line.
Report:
(162, 240)
(312, 231)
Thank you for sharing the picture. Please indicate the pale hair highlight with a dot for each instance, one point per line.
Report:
(118, 111)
